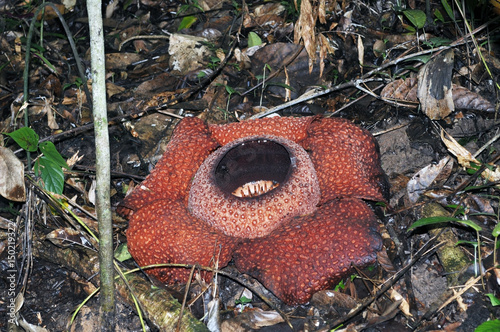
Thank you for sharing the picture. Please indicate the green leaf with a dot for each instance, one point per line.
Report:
(122, 253)
(438, 41)
(49, 150)
(187, 22)
(472, 243)
(493, 299)
(438, 15)
(78, 83)
(489, 326)
(243, 300)
(51, 173)
(47, 62)
(442, 219)
(229, 89)
(421, 58)
(471, 224)
(448, 9)
(26, 138)
(496, 230)
(416, 17)
(340, 286)
(410, 28)
(254, 39)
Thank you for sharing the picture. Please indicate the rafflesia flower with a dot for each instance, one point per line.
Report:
(282, 197)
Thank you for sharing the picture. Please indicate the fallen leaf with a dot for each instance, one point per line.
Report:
(11, 176)
(426, 176)
(65, 237)
(465, 158)
(254, 318)
(463, 98)
(434, 86)
(304, 30)
(187, 53)
(113, 89)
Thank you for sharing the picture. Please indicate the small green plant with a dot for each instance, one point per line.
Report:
(214, 62)
(476, 251)
(416, 17)
(489, 326)
(243, 300)
(49, 164)
(230, 91)
(444, 219)
(190, 6)
(78, 83)
(187, 22)
(341, 285)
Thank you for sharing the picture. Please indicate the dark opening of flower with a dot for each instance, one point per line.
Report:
(221, 192)
(253, 167)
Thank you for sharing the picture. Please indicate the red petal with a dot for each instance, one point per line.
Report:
(294, 129)
(171, 178)
(346, 159)
(312, 253)
(164, 232)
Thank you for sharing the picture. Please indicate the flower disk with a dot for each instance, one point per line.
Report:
(281, 197)
(244, 163)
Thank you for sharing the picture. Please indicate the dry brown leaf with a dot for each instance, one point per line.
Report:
(465, 158)
(428, 175)
(210, 4)
(254, 318)
(113, 89)
(404, 306)
(110, 8)
(325, 48)
(434, 86)
(76, 183)
(379, 48)
(47, 109)
(187, 53)
(11, 176)
(402, 89)
(269, 14)
(49, 13)
(304, 30)
(322, 11)
(463, 98)
(65, 237)
(361, 52)
(121, 60)
(332, 298)
(385, 262)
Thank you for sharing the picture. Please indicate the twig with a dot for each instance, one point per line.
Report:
(184, 300)
(389, 283)
(142, 37)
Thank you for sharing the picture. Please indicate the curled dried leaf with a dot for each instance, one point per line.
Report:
(402, 89)
(466, 99)
(385, 262)
(304, 29)
(463, 98)
(434, 86)
(11, 176)
(65, 237)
